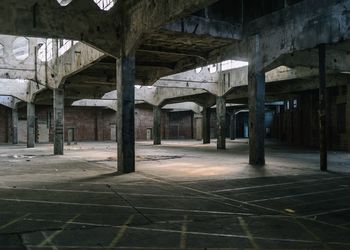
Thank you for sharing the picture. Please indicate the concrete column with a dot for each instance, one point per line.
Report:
(30, 125)
(256, 95)
(157, 116)
(14, 126)
(58, 109)
(347, 110)
(198, 118)
(126, 113)
(55, 48)
(221, 122)
(233, 127)
(206, 125)
(322, 107)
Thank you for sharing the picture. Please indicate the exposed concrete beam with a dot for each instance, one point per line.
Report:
(191, 79)
(336, 60)
(147, 16)
(15, 88)
(297, 27)
(111, 104)
(102, 79)
(203, 26)
(80, 20)
(75, 60)
(280, 89)
(184, 106)
(8, 101)
(157, 96)
(284, 73)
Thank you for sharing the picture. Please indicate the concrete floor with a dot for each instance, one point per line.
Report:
(184, 195)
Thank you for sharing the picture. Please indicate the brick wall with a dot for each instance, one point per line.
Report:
(93, 124)
(143, 121)
(179, 125)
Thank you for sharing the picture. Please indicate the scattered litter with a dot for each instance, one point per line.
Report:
(288, 210)
(156, 157)
(143, 158)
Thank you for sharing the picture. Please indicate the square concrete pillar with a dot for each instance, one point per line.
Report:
(30, 125)
(221, 122)
(347, 110)
(256, 95)
(58, 108)
(323, 108)
(198, 121)
(126, 113)
(157, 117)
(206, 125)
(233, 123)
(14, 126)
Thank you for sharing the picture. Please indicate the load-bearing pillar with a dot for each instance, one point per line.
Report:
(256, 95)
(14, 126)
(221, 122)
(30, 125)
(125, 74)
(58, 107)
(233, 125)
(206, 125)
(157, 112)
(322, 107)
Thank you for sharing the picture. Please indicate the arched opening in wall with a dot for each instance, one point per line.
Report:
(64, 2)
(20, 48)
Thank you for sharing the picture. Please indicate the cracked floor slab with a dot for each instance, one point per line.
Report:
(204, 199)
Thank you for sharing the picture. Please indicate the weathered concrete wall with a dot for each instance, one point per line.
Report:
(298, 125)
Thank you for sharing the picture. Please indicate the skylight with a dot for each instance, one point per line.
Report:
(105, 4)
